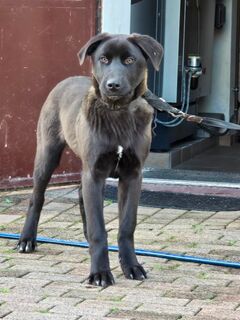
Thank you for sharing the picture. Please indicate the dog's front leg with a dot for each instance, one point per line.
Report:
(128, 197)
(92, 190)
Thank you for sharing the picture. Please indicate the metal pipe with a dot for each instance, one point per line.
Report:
(140, 252)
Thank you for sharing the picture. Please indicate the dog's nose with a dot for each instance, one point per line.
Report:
(113, 85)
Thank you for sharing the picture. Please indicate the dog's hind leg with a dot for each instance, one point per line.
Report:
(82, 211)
(46, 160)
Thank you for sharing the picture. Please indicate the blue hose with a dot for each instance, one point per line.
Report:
(140, 252)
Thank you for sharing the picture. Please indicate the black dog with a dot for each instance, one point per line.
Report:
(107, 123)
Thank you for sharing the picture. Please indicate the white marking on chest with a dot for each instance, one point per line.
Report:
(120, 152)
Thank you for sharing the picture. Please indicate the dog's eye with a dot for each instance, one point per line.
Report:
(104, 59)
(129, 60)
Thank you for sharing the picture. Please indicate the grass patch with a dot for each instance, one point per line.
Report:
(107, 202)
(4, 290)
(202, 275)
(172, 239)
(8, 201)
(116, 299)
(43, 311)
(174, 267)
(9, 251)
(232, 243)
(192, 245)
(114, 310)
(197, 228)
(160, 267)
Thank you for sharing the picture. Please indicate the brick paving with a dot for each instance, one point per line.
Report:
(50, 284)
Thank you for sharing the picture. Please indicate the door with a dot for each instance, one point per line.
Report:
(39, 41)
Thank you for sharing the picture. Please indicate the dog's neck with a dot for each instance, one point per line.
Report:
(117, 127)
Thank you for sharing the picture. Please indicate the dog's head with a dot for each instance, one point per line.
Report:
(120, 64)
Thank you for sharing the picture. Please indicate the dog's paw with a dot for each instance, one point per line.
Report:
(134, 272)
(102, 279)
(26, 246)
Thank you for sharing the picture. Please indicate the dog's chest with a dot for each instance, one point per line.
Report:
(118, 140)
(117, 162)
(116, 128)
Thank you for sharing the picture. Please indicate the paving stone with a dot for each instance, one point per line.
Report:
(17, 298)
(41, 266)
(228, 215)
(153, 297)
(197, 317)
(201, 281)
(6, 218)
(84, 308)
(141, 315)
(203, 215)
(38, 316)
(55, 277)
(57, 206)
(48, 216)
(169, 309)
(20, 282)
(65, 257)
(19, 192)
(106, 318)
(29, 306)
(219, 312)
(105, 307)
(227, 305)
(90, 317)
(56, 224)
(73, 289)
(59, 191)
(235, 284)
(234, 225)
(5, 310)
(147, 211)
(12, 273)
(217, 289)
(112, 208)
(60, 301)
(12, 254)
(67, 217)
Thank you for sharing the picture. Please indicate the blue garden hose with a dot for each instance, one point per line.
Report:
(140, 252)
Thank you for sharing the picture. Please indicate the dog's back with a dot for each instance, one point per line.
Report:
(61, 109)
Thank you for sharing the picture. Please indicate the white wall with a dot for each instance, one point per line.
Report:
(221, 98)
(116, 16)
(171, 44)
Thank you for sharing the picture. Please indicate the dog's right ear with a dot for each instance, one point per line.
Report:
(91, 46)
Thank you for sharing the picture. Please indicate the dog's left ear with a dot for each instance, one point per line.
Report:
(150, 47)
(91, 46)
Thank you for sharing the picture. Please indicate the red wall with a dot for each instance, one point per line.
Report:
(39, 41)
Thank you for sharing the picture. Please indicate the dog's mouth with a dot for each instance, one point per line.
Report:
(117, 98)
